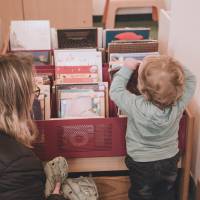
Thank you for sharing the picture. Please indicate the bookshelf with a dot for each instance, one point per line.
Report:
(114, 187)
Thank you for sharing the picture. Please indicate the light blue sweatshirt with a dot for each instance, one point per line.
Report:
(152, 133)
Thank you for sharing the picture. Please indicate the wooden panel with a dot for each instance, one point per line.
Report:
(96, 164)
(198, 190)
(10, 10)
(61, 13)
(186, 157)
(113, 188)
(163, 31)
(1, 35)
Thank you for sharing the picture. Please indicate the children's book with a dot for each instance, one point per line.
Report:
(76, 74)
(116, 59)
(38, 107)
(82, 104)
(118, 34)
(78, 63)
(138, 46)
(77, 38)
(41, 105)
(97, 87)
(30, 35)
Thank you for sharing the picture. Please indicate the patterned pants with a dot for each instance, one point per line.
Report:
(152, 180)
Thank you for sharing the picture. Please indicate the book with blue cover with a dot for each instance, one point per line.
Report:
(125, 34)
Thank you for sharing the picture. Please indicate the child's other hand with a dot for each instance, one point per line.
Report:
(132, 63)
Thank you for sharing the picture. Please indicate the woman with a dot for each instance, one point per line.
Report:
(21, 172)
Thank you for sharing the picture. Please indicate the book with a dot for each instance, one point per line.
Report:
(30, 35)
(38, 108)
(39, 58)
(43, 79)
(118, 34)
(100, 37)
(76, 74)
(82, 103)
(41, 104)
(102, 86)
(77, 38)
(78, 63)
(54, 38)
(133, 46)
(116, 59)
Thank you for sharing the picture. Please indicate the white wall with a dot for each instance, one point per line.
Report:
(184, 44)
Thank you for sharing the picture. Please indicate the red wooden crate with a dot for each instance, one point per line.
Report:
(81, 138)
(78, 138)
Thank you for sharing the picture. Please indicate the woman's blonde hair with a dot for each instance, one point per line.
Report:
(161, 80)
(16, 90)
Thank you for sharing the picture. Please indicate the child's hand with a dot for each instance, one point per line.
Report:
(132, 63)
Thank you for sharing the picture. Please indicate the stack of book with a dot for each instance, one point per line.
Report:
(128, 43)
(68, 65)
(124, 34)
(80, 92)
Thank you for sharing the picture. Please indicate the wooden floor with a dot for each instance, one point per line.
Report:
(113, 188)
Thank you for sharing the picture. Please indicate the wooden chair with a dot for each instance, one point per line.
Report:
(112, 6)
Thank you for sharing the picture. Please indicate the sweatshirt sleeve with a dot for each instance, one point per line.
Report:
(189, 89)
(118, 92)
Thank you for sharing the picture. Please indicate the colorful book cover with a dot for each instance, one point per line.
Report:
(125, 34)
(38, 107)
(43, 79)
(30, 35)
(116, 59)
(65, 58)
(77, 38)
(76, 74)
(138, 46)
(41, 105)
(82, 104)
(81, 88)
(41, 58)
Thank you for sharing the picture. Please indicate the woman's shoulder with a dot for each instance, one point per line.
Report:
(11, 150)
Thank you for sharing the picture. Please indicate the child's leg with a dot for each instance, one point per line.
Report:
(142, 179)
(165, 187)
(152, 180)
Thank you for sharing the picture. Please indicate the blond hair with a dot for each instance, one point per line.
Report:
(161, 80)
(16, 90)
